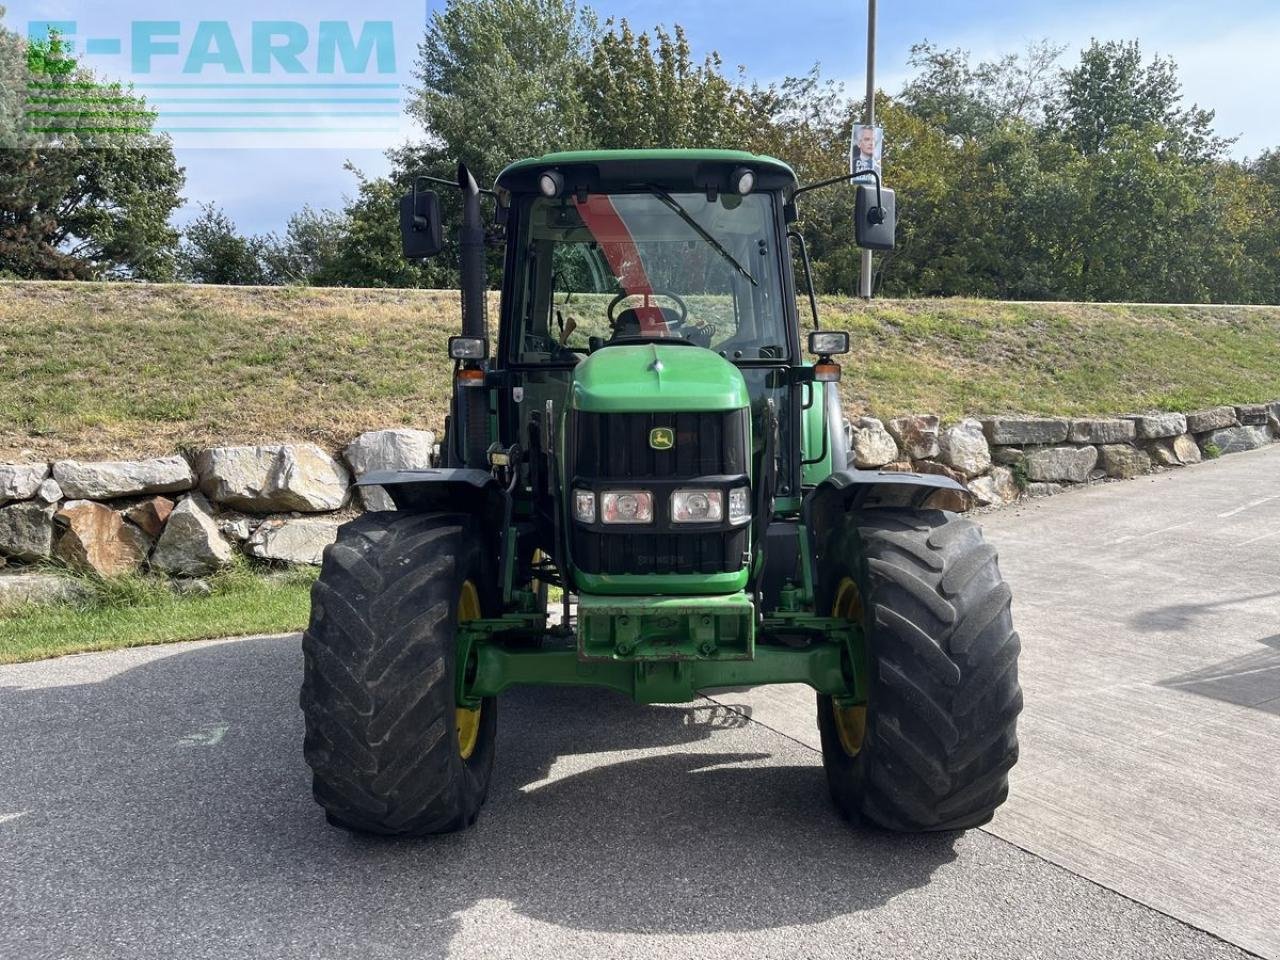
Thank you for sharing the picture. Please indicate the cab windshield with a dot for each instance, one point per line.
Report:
(651, 265)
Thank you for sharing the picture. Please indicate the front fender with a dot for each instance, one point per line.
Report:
(463, 489)
(852, 489)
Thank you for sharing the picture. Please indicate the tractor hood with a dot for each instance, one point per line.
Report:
(654, 377)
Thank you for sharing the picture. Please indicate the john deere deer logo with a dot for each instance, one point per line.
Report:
(661, 438)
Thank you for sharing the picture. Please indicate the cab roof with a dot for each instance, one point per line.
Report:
(619, 169)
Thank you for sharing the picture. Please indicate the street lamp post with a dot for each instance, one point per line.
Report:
(865, 277)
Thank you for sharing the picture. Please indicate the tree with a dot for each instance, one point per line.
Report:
(310, 249)
(214, 252)
(638, 92)
(496, 79)
(86, 186)
(971, 101)
(1112, 90)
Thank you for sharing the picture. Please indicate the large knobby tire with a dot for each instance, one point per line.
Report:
(932, 748)
(389, 751)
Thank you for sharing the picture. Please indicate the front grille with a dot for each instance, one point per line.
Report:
(613, 450)
(615, 446)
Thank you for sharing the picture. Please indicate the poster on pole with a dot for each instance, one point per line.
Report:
(867, 149)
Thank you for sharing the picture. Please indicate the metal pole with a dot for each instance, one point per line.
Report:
(865, 277)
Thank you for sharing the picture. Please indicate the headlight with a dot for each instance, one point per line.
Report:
(584, 506)
(626, 506)
(828, 342)
(739, 504)
(697, 506)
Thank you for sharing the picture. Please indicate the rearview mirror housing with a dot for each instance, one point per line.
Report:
(875, 224)
(421, 234)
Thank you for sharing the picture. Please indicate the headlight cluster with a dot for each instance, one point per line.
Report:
(687, 506)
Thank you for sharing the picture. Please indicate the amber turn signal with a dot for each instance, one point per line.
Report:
(826, 372)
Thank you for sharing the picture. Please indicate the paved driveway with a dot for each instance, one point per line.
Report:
(1150, 620)
(154, 803)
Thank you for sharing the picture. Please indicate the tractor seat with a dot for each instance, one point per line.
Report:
(627, 323)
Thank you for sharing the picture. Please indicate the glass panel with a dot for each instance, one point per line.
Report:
(649, 265)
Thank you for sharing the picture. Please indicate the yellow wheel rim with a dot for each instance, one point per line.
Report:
(468, 721)
(851, 722)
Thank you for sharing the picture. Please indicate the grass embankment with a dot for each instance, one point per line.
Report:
(134, 611)
(98, 370)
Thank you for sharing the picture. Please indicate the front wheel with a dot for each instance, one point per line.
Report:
(390, 749)
(932, 747)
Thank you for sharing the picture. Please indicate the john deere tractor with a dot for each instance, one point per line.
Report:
(645, 487)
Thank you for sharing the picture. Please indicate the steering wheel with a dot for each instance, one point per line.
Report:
(683, 307)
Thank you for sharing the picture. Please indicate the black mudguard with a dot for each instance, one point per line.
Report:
(463, 489)
(852, 489)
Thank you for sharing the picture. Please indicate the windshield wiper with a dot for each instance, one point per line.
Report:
(697, 228)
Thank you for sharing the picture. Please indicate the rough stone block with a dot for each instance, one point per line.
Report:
(21, 481)
(1102, 431)
(107, 480)
(917, 435)
(871, 445)
(150, 515)
(1153, 426)
(1016, 431)
(26, 531)
(996, 488)
(96, 539)
(19, 588)
(1178, 451)
(964, 448)
(1061, 464)
(191, 545)
(292, 541)
(1236, 439)
(1252, 415)
(1123, 461)
(274, 479)
(1214, 418)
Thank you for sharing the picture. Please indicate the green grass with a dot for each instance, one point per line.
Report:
(134, 611)
(120, 370)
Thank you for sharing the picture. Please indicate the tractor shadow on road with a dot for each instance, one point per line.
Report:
(177, 789)
(1248, 680)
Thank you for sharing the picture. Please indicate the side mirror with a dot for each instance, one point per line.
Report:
(420, 232)
(875, 218)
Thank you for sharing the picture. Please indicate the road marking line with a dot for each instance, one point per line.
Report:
(1273, 533)
(1153, 533)
(1256, 503)
(209, 735)
(6, 817)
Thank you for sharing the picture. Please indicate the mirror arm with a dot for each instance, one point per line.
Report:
(808, 273)
(422, 177)
(841, 179)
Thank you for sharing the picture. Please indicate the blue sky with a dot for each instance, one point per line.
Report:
(1227, 52)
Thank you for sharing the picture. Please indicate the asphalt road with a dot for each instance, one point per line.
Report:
(1149, 612)
(154, 803)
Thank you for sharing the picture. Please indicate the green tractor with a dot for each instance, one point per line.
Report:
(647, 439)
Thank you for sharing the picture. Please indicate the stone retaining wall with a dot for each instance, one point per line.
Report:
(189, 516)
(1003, 459)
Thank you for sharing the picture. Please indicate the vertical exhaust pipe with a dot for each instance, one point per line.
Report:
(473, 271)
(473, 274)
